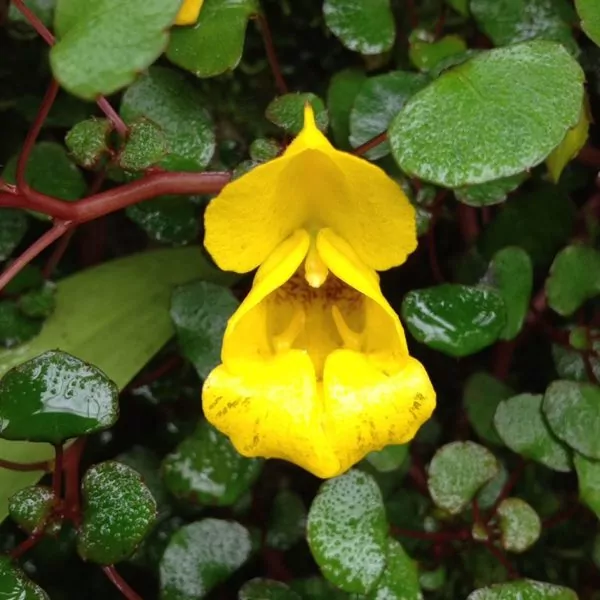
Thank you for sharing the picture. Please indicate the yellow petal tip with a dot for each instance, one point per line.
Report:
(189, 12)
(309, 116)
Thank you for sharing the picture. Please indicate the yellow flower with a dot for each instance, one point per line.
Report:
(189, 12)
(315, 368)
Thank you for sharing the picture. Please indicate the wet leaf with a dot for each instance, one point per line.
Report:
(400, 580)
(200, 556)
(573, 413)
(266, 589)
(55, 397)
(525, 589)
(456, 319)
(287, 112)
(365, 26)
(457, 471)
(103, 45)
(264, 149)
(343, 89)
(532, 92)
(215, 43)
(118, 512)
(32, 506)
(287, 522)
(146, 145)
(588, 476)
(427, 54)
(206, 469)
(13, 226)
(491, 192)
(347, 532)
(520, 525)
(15, 327)
(15, 585)
(40, 303)
(522, 427)
(200, 311)
(165, 97)
(87, 141)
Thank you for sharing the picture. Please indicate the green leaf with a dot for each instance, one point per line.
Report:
(433, 581)
(343, 89)
(39, 304)
(539, 222)
(15, 585)
(287, 112)
(264, 149)
(481, 396)
(532, 92)
(488, 495)
(389, 458)
(49, 171)
(426, 54)
(570, 363)
(167, 219)
(42, 9)
(317, 588)
(525, 589)
(460, 6)
(206, 469)
(511, 21)
(13, 226)
(365, 26)
(221, 27)
(32, 506)
(589, 12)
(377, 103)
(200, 311)
(588, 477)
(511, 271)
(573, 413)
(400, 580)
(347, 532)
(266, 589)
(15, 327)
(287, 522)
(522, 427)
(103, 45)
(118, 512)
(87, 141)
(55, 397)
(520, 525)
(457, 471)
(89, 324)
(146, 145)
(490, 193)
(200, 556)
(574, 278)
(165, 97)
(456, 319)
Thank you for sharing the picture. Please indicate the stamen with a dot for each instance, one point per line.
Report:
(315, 270)
(285, 340)
(352, 340)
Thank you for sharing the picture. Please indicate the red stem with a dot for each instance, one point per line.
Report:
(43, 465)
(169, 365)
(364, 148)
(35, 537)
(265, 31)
(58, 470)
(120, 583)
(58, 229)
(113, 117)
(57, 254)
(467, 222)
(560, 517)
(502, 559)
(589, 156)
(503, 358)
(71, 465)
(41, 29)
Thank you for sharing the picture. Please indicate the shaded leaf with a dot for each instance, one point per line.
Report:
(87, 141)
(287, 521)
(389, 458)
(588, 476)
(343, 89)
(15, 327)
(287, 112)
(266, 589)
(15, 585)
(13, 226)
(32, 506)
(525, 589)
(491, 192)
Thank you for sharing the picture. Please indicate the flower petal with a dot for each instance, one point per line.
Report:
(272, 410)
(367, 409)
(189, 12)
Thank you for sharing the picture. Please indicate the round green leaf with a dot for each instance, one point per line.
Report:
(433, 581)
(165, 97)
(427, 54)
(167, 219)
(118, 512)
(573, 412)
(287, 112)
(103, 45)
(87, 141)
(206, 469)
(522, 427)
(457, 471)
(389, 458)
(32, 506)
(54, 397)
(456, 319)
(266, 589)
(531, 92)
(343, 89)
(15, 327)
(489, 193)
(511, 271)
(14, 585)
(589, 12)
(574, 278)
(490, 492)
(264, 149)
(511, 21)
(146, 145)
(365, 26)
(525, 589)
(38, 304)
(222, 26)
(520, 525)
(287, 522)
(481, 396)
(400, 580)
(317, 588)
(347, 532)
(200, 311)
(377, 103)
(570, 363)
(588, 477)
(13, 225)
(200, 556)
